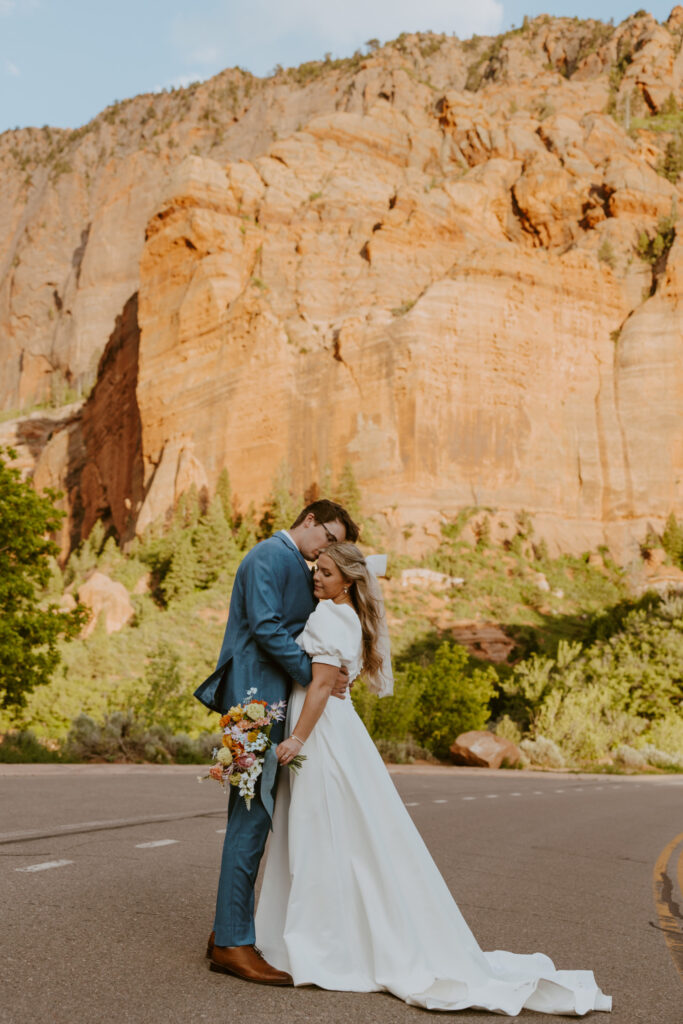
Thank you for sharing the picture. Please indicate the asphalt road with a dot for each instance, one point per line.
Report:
(108, 880)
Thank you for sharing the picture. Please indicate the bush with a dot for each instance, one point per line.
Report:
(432, 703)
(661, 758)
(24, 747)
(624, 687)
(403, 752)
(543, 752)
(629, 757)
(452, 698)
(388, 719)
(122, 737)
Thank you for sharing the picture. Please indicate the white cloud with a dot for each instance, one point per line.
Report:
(11, 69)
(205, 55)
(8, 7)
(358, 20)
(259, 33)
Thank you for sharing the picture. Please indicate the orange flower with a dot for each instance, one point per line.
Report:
(227, 741)
(225, 720)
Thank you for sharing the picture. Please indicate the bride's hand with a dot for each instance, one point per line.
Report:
(287, 751)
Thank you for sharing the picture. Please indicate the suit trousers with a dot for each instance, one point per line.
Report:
(245, 841)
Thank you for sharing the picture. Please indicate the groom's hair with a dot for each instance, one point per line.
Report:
(325, 511)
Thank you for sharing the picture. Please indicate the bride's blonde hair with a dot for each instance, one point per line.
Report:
(351, 564)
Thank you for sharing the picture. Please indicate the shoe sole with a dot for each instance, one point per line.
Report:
(219, 969)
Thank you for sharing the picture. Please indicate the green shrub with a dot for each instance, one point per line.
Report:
(388, 718)
(653, 248)
(452, 698)
(432, 703)
(606, 254)
(543, 752)
(24, 747)
(592, 699)
(122, 737)
(403, 751)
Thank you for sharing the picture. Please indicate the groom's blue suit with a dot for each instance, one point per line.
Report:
(272, 598)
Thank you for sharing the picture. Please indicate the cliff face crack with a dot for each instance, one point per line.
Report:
(79, 253)
(525, 223)
(622, 433)
(337, 354)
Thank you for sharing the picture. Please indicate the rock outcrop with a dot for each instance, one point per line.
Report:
(104, 596)
(481, 749)
(454, 267)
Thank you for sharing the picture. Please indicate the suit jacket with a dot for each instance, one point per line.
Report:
(271, 600)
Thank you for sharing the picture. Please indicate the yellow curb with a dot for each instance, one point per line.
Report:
(663, 891)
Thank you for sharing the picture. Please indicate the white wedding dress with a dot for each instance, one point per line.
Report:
(351, 899)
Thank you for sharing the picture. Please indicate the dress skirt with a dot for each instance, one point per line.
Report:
(352, 900)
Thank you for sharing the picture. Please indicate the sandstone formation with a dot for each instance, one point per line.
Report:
(104, 596)
(480, 749)
(432, 261)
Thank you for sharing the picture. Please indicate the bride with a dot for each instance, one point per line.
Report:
(351, 899)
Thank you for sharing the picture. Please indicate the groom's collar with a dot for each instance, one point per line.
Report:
(287, 535)
(286, 539)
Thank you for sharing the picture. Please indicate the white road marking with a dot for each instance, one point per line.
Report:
(221, 831)
(469, 798)
(538, 792)
(559, 791)
(491, 796)
(413, 805)
(439, 801)
(157, 842)
(515, 794)
(46, 865)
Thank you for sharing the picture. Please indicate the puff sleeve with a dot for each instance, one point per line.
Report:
(332, 635)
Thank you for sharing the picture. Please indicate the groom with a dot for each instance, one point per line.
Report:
(272, 598)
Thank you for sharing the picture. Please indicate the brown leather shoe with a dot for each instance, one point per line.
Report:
(210, 944)
(244, 962)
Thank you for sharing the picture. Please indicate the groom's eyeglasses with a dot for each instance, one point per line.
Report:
(331, 539)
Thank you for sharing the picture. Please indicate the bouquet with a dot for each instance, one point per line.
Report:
(246, 738)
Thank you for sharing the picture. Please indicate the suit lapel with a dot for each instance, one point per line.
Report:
(299, 557)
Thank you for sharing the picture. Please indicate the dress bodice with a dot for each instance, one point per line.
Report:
(333, 636)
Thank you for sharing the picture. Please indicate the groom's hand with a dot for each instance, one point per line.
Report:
(341, 684)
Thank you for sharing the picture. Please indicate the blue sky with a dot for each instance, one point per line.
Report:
(62, 61)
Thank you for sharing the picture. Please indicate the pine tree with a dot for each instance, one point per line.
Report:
(347, 491)
(224, 492)
(281, 507)
(215, 546)
(183, 573)
(672, 540)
